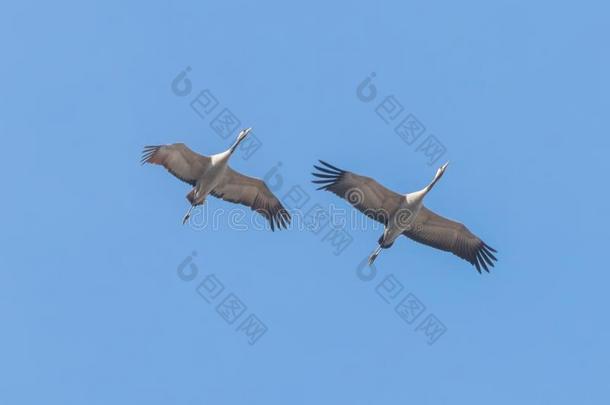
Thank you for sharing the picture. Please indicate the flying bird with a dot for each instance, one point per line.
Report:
(212, 175)
(405, 214)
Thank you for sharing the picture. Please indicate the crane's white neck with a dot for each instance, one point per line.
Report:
(242, 135)
(429, 187)
(236, 144)
(419, 195)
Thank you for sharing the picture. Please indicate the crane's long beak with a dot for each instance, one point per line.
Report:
(247, 131)
(445, 166)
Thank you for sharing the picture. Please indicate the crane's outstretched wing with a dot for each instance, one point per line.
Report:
(178, 159)
(441, 233)
(254, 193)
(364, 193)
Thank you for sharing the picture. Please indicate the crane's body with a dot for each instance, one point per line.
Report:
(404, 216)
(211, 177)
(402, 219)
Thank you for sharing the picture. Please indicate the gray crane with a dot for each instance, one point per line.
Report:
(211, 175)
(405, 214)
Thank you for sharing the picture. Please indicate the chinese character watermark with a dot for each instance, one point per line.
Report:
(406, 126)
(229, 307)
(223, 121)
(407, 306)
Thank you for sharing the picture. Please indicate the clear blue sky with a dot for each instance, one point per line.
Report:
(92, 308)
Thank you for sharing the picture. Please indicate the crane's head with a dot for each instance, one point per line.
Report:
(439, 174)
(441, 170)
(244, 133)
(437, 177)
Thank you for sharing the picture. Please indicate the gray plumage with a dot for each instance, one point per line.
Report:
(384, 206)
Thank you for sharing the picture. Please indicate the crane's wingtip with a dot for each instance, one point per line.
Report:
(476, 264)
(327, 176)
(330, 166)
(147, 153)
(486, 252)
(489, 247)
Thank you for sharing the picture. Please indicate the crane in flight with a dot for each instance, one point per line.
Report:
(212, 175)
(405, 214)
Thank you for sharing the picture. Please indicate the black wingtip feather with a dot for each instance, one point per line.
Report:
(331, 166)
(325, 170)
(489, 247)
(486, 258)
(482, 262)
(324, 176)
(488, 253)
(328, 175)
(476, 264)
(147, 153)
(482, 257)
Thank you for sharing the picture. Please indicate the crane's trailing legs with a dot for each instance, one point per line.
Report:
(187, 215)
(192, 197)
(374, 255)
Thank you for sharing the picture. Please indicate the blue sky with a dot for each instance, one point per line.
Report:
(91, 303)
